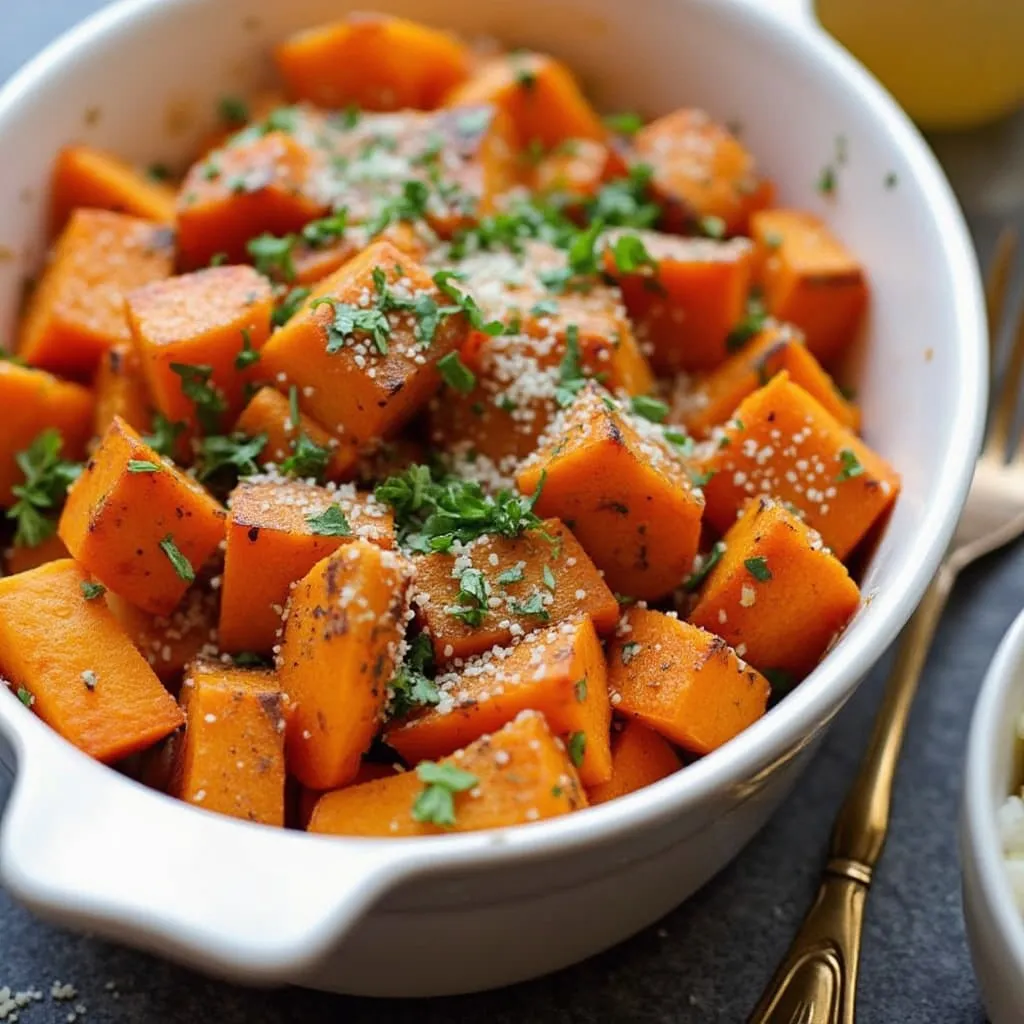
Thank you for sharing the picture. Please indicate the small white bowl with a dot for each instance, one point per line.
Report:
(995, 925)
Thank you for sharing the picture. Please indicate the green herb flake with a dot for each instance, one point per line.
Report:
(456, 374)
(630, 254)
(629, 651)
(712, 227)
(435, 805)
(752, 323)
(250, 659)
(649, 408)
(91, 591)
(233, 110)
(25, 696)
(329, 523)
(412, 686)
(571, 378)
(526, 78)
(158, 172)
(706, 564)
(164, 437)
(182, 566)
(247, 356)
(206, 397)
(546, 307)
(826, 183)
(274, 255)
(699, 479)
(47, 478)
(851, 465)
(532, 607)
(577, 747)
(235, 452)
(549, 578)
(773, 239)
(143, 466)
(758, 568)
(472, 596)
(580, 689)
(509, 576)
(624, 124)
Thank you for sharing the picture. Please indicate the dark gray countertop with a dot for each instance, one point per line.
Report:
(707, 961)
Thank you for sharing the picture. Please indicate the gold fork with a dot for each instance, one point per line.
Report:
(817, 981)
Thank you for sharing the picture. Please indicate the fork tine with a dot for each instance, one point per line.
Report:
(997, 280)
(1002, 417)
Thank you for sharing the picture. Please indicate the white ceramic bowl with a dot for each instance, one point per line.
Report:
(90, 848)
(994, 769)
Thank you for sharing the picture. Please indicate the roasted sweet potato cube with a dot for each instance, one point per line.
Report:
(19, 558)
(36, 401)
(369, 771)
(269, 413)
(363, 358)
(372, 61)
(232, 754)
(776, 594)
(558, 671)
(521, 596)
(708, 402)
(121, 390)
(277, 531)
(521, 774)
(687, 300)
(810, 279)
(199, 324)
(342, 642)
(629, 499)
(574, 171)
(539, 95)
(76, 312)
(138, 524)
(700, 170)
(170, 642)
(84, 176)
(265, 184)
(683, 682)
(315, 262)
(639, 757)
(783, 444)
(74, 666)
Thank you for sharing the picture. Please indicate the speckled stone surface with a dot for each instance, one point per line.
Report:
(707, 961)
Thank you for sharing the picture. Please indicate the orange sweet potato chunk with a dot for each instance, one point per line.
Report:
(372, 61)
(142, 531)
(629, 499)
(539, 95)
(273, 540)
(700, 170)
(202, 320)
(86, 679)
(170, 642)
(639, 757)
(523, 774)
(685, 303)
(708, 402)
(84, 176)
(18, 558)
(342, 642)
(269, 413)
(232, 755)
(513, 573)
(810, 279)
(359, 386)
(777, 595)
(574, 171)
(559, 672)
(781, 443)
(35, 401)
(76, 312)
(681, 681)
(121, 390)
(266, 184)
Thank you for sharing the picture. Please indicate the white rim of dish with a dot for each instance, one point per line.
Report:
(824, 692)
(980, 818)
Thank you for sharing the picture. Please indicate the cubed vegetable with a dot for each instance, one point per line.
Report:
(776, 594)
(121, 390)
(683, 682)
(68, 660)
(639, 757)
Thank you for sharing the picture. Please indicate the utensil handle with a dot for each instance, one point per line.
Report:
(817, 981)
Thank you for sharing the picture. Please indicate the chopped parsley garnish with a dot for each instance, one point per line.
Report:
(465, 303)
(649, 407)
(329, 523)
(707, 563)
(322, 232)
(435, 805)
(289, 305)
(308, 459)
(233, 110)
(509, 576)
(218, 259)
(348, 319)
(623, 202)
(455, 373)
(549, 578)
(629, 651)
(432, 513)
(546, 307)
(247, 356)
(236, 452)
(679, 440)
(624, 124)
(164, 436)
(758, 568)
(630, 254)
(577, 747)
(773, 239)
(46, 483)
(826, 184)
(851, 465)
(409, 206)
(712, 227)
(250, 659)
(752, 323)
(273, 255)
(143, 466)
(532, 607)
(158, 172)
(699, 479)
(580, 689)
(526, 78)
(25, 696)
(472, 597)
(571, 378)
(182, 566)
(91, 591)
(412, 686)
(208, 401)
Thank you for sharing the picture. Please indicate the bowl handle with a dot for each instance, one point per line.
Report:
(89, 849)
